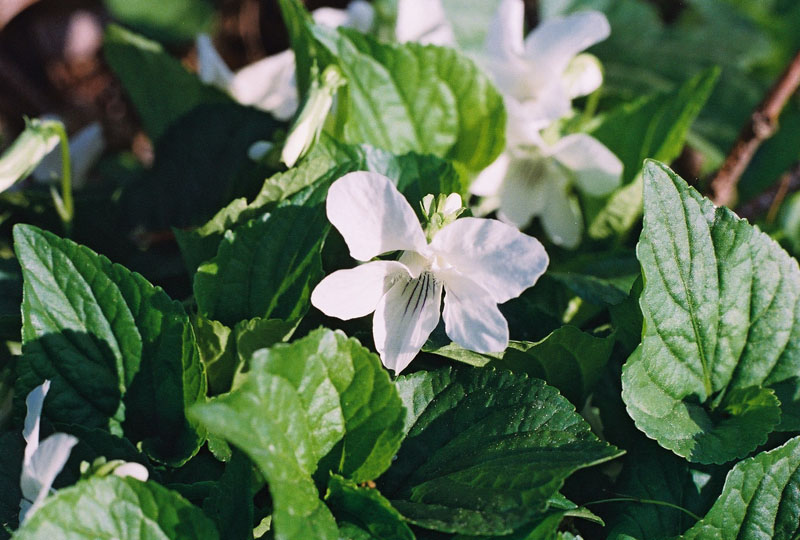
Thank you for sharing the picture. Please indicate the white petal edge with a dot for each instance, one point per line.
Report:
(372, 216)
(504, 38)
(39, 473)
(558, 40)
(353, 293)
(584, 75)
(597, 171)
(562, 219)
(471, 316)
(423, 21)
(404, 319)
(211, 68)
(132, 470)
(30, 430)
(268, 84)
(490, 179)
(524, 192)
(499, 257)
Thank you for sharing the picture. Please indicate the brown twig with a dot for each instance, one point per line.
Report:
(762, 125)
(770, 201)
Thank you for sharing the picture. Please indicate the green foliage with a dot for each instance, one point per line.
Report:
(653, 127)
(159, 86)
(365, 510)
(266, 268)
(123, 508)
(759, 499)
(168, 21)
(323, 394)
(717, 339)
(485, 451)
(121, 355)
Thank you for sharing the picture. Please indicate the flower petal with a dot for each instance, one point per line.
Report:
(404, 319)
(30, 430)
(583, 75)
(211, 68)
(372, 216)
(348, 294)
(39, 473)
(524, 192)
(423, 21)
(490, 179)
(132, 470)
(268, 84)
(499, 257)
(562, 219)
(471, 316)
(504, 38)
(597, 171)
(558, 40)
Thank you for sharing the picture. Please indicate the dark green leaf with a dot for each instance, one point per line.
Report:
(486, 450)
(120, 353)
(721, 329)
(266, 268)
(12, 449)
(760, 499)
(164, 20)
(120, 508)
(230, 504)
(159, 86)
(366, 509)
(201, 164)
(568, 359)
(653, 127)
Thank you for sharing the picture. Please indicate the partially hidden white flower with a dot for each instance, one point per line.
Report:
(42, 462)
(544, 71)
(423, 21)
(479, 263)
(270, 84)
(306, 129)
(85, 148)
(536, 179)
(539, 76)
(28, 150)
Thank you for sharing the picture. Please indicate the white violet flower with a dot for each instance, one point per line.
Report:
(544, 72)
(269, 84)
(532, 178)
(42, 462)
(479, 263)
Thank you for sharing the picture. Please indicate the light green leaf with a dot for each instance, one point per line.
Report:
(409, 97)
(168, 21)
(120, 508)
(349, 398)
(652, 127)
(485, 451)
(266, 418)
(759, 500)
(159, 86)
(365, 509)
(721, 327)
(121, 355)
(266, 268)
(323, 394)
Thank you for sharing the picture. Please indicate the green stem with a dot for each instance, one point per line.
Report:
(647, 501)
(66, 209)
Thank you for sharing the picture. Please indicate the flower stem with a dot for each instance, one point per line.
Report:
(647, 501)
(64, 204)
